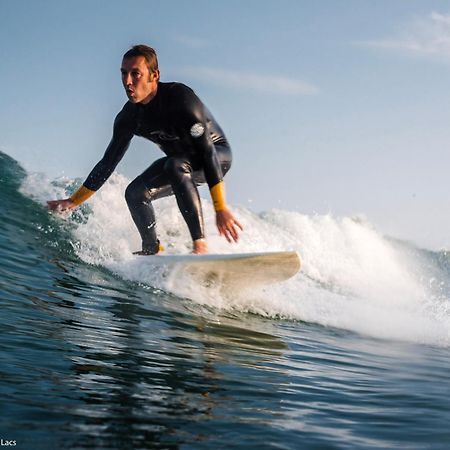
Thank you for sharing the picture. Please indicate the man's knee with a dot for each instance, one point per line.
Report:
(135, 192)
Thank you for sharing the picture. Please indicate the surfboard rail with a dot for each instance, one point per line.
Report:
(239, 270)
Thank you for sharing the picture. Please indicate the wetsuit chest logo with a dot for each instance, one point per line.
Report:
(197, 130)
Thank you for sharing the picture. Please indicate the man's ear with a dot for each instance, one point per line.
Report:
(154, 76)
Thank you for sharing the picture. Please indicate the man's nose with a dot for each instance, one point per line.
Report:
(127, 79)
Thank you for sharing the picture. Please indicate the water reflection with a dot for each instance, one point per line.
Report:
(145, 372)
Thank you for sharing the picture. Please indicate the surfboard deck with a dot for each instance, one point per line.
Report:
(237, 269)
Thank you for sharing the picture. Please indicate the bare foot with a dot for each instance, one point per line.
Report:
(200, 247)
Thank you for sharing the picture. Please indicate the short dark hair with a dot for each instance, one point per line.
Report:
(147, 52)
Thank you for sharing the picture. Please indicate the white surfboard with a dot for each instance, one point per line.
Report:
(236, 270)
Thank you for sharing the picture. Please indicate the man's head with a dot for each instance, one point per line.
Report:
(140, 74)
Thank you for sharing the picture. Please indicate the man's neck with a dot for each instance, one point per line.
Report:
(150, 97)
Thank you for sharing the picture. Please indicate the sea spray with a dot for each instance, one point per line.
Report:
(352, 276)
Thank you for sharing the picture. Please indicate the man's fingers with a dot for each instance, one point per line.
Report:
(222, 232)
(53, 205)
(59, 205)
(231, 233)
(229, 228)
(234, 234)
(239, 225)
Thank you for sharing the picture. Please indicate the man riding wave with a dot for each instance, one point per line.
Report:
(197, 151)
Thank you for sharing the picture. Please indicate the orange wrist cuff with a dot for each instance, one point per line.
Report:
(218, 196)
(81, 195)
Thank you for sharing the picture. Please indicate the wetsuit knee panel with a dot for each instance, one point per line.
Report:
(136, 191)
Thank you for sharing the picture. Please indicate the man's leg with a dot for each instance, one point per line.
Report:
(184, 176)
(168, 176)
(139, 194)
(180, 174)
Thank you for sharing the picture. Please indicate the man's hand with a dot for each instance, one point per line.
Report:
(228, 225)
(61, 205)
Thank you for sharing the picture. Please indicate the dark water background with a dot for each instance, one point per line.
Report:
(91, 360)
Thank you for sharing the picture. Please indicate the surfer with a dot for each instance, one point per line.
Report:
(197, 151)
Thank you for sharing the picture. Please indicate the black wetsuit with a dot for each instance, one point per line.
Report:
(196, 151)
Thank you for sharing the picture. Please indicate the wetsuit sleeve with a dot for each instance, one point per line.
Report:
(218, 196)
(122, 134)
(193, 126)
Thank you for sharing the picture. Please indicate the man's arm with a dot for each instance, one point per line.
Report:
(195, 122)
(119, 144)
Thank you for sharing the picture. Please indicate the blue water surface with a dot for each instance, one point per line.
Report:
(92, 361)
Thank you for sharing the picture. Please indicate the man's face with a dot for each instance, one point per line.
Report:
(140, 85)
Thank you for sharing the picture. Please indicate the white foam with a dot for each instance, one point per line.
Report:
(351, 278)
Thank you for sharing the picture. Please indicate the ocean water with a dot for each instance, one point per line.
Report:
(99, 351)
